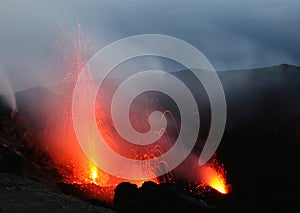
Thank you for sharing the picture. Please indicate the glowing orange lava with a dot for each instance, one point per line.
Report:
(214, 176)
(94, 173)
(59, 137)
(61, 142)
(216, 180)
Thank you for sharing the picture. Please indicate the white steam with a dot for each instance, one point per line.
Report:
(7, 91)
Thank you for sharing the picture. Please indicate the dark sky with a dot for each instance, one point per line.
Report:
(232, 34)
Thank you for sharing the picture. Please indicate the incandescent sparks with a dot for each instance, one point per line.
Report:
(61, 137)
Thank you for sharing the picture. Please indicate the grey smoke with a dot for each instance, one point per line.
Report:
(232, 34)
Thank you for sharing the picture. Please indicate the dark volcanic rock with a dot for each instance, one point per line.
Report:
(153, 197)
(10, 161)
(23, 194)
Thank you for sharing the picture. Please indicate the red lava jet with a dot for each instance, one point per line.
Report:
(60, 141)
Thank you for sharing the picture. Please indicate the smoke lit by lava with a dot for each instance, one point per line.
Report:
(59, 139)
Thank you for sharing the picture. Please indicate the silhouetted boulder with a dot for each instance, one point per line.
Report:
(152, 197)
(125, 199)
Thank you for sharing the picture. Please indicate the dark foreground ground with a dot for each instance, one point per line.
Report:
(25, 194)
(23, 188)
